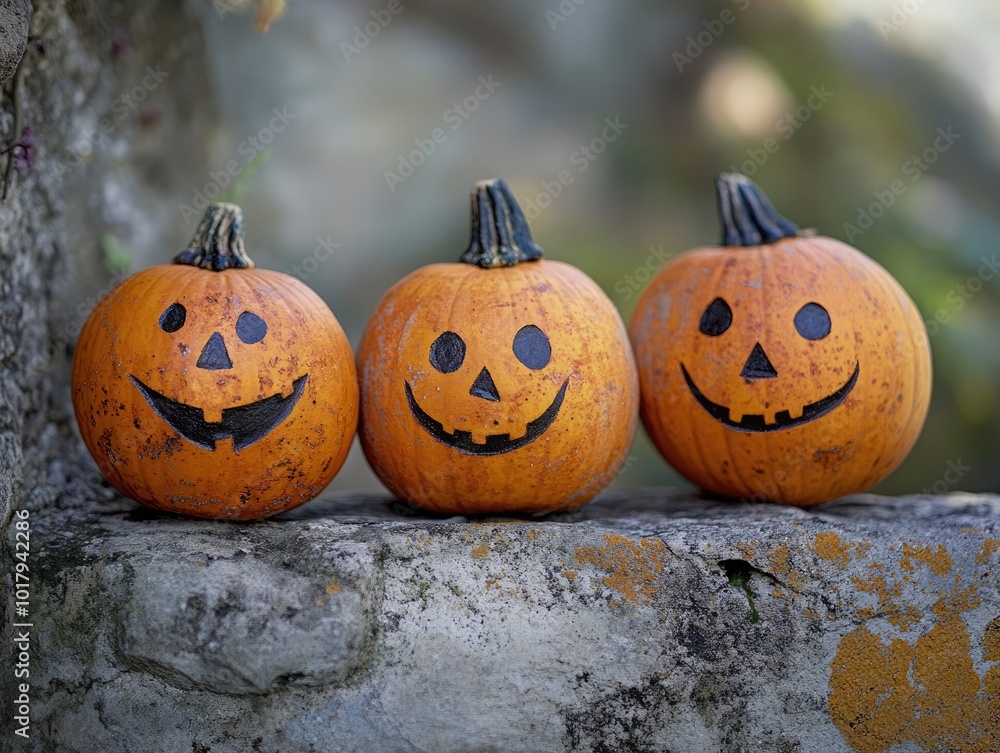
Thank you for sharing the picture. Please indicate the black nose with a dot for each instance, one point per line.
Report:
(214, 355)
(484, 387)
(758, 366)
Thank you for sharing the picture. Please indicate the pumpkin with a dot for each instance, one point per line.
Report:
(211, 388)
(502, 383)
(779, 366)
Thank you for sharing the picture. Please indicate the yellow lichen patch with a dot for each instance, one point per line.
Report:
(632, 567)
(991, 641)
(937, 559)
(481, 552)
(747, 550)
(990, 547)
(829, 546)
(333, 587)
(927, 694)
(569, 575)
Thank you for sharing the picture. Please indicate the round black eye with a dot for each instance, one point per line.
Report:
(173, 318)
(532, 347)
(812, 322)
(250, 328)
(447, 352)
(716, 319)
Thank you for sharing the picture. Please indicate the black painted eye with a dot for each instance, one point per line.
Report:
(447, 352)
(532, 347)
(812, 322)
(716, 319)
(173, 318)
(250, 328)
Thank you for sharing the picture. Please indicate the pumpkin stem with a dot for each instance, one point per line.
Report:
(748, 219)
(500, 233)
(218, 241)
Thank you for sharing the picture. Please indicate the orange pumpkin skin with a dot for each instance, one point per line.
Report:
(268, 456)
(557, 431)
(816, 417)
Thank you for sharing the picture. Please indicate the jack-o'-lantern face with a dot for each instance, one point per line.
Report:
(779, 366)
(813, 326)
(215, 377)
(211, 388)
(502, 383)
(484, 405)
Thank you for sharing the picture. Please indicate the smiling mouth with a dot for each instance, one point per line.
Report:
(755, 423)
(495, 444)
(244, 424)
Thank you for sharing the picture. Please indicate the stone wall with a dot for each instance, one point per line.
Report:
(652, 621)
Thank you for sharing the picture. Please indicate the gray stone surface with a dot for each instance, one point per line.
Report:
(650, 621)
(14, 17)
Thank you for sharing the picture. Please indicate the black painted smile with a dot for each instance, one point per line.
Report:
(496, 444)
(245, 424)
(782, 420)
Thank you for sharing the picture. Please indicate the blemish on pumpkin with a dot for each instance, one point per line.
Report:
(632, 567)
(927, 694)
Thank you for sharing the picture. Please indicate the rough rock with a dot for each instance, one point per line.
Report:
(14, 18)
(648, 621)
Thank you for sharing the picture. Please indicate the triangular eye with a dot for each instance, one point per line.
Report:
(812, 322)
(173, 318)
(716, 319)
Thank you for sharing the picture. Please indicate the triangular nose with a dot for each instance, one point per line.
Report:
(484, 387)
(758, 366)
(214, 355)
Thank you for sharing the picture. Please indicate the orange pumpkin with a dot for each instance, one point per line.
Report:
(211, 388)
(503, 383)
(779, 366)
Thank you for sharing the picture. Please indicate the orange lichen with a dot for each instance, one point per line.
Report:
(927, 693)
(632, 567)
(829, 546)
(333, 587)
(569, 575)
(481, 552)
(938, 560)
(990, 547)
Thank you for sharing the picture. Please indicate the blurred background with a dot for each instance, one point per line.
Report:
(323, 129)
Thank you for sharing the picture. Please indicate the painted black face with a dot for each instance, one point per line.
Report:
(244, 424)
(447, 354)
(812, 322)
